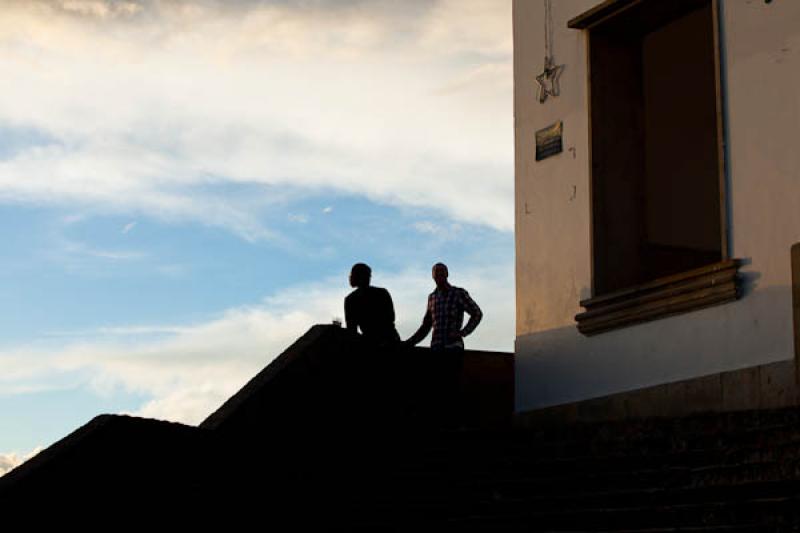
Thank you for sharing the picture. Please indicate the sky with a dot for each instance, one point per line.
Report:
(185, 184)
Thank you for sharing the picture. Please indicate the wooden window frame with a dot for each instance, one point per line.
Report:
(684, 292)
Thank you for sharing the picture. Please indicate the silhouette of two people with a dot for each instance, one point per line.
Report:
(371, 309)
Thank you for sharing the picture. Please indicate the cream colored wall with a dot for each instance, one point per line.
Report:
(552, 196)
(555, 364)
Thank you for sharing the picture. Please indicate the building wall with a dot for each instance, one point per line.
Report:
(555, 364)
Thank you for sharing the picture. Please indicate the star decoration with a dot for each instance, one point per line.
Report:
(548, 80)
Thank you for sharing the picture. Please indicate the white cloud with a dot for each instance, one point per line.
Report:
(150, 105)
(9, 461)
(100, 8)
(444, 230)
(299, 218)
(75, 249)
(188, 371)
(68, 220)
(327, 210)
(128, 227)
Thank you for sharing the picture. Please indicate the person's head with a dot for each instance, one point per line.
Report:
(439, 274)
(360, 275)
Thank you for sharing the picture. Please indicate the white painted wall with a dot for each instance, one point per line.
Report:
(555, 363)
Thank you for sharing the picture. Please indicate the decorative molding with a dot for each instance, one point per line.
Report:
(680, 293)
(599, 13)
(640, 20)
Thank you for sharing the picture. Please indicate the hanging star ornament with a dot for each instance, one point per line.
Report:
(548, 80)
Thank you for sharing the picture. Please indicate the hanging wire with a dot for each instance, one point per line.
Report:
(548, 80)
(548, 32)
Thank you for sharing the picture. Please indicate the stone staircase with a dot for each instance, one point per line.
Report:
(731, 472)
(313, 442)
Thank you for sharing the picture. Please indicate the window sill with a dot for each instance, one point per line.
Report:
(681, 293)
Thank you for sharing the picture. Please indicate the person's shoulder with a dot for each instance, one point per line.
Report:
(372, 290)
(378, 292)
(352, 296)
(462, 292)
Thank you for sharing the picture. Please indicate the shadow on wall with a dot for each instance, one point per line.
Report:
(749, 279)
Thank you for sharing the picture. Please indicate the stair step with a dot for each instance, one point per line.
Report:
(770, 512)
(723, 474)
(754, 514)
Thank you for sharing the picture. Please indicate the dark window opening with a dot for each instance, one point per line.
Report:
(659, 232)
(656, 157)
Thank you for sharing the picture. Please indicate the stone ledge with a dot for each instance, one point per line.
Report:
(681, 293)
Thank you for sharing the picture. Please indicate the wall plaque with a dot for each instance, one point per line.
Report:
(548, 141)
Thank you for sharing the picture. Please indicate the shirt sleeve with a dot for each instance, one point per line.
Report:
(424, 329)
(475, 313)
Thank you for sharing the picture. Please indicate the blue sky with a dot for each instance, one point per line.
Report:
(184, 186)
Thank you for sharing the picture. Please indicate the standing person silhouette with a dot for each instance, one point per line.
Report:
(370, 308)
(445, 315)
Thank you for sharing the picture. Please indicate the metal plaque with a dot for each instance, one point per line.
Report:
(548, 141)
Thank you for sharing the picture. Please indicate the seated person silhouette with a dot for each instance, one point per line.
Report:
(370, 308)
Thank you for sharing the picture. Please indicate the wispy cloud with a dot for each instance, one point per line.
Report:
(128, 227)
(102, 9)
(79, 249)
(69, 220)
(118, 332)
(406, 103)
(299, 218)
(188, 371)
(441, 230)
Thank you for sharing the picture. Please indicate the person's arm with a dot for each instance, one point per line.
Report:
(422, 332)
(475, 313)
(389, 306)
(349, 315)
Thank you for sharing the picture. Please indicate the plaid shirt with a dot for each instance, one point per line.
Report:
(446, 312)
